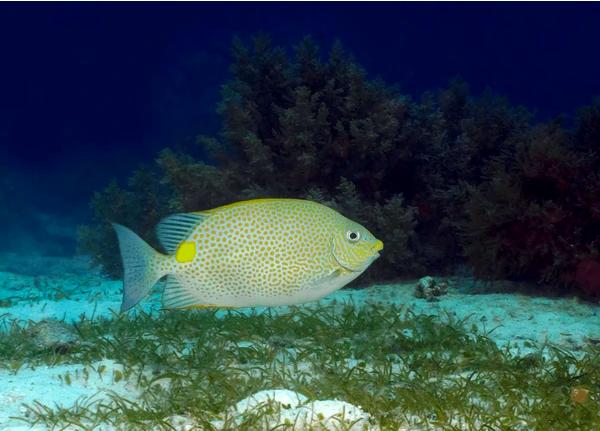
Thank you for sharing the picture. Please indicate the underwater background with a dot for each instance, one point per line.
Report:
(465, 136)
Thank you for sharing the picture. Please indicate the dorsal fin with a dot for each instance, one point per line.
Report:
(176, 228)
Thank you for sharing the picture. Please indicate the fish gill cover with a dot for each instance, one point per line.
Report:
(444, 180)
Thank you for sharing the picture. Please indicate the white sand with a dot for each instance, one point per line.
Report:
(515, 318)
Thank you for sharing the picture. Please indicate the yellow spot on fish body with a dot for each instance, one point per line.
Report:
(186, 252)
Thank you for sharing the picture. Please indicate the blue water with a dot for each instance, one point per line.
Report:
(469, 147)
(116, 83)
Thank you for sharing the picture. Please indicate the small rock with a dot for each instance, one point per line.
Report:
(245, 344)
(282, 342)
(592, 341)
(286, 398)
(289, 407)
(182, 423)
(331, 415)
(51, 334)
(580, 395)
(429, 289)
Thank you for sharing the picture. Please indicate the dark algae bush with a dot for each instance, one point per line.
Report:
(450, 179)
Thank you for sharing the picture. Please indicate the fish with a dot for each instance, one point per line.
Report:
(259, 252)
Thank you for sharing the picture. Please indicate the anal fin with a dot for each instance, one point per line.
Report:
(206, 307)
(179, 295)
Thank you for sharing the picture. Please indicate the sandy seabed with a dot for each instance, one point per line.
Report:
(65, 290)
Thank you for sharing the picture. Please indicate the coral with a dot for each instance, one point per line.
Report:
(443, 180)
(588, 127)
(457, 135)
(430, 289)
(309, 122)
(587, 276)
(396, 221)
(291, 128)
(193, 184)
(534, 216)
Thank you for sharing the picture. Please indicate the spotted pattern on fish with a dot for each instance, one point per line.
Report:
(258, 252)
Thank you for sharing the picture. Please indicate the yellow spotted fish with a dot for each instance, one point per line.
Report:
(261, 252)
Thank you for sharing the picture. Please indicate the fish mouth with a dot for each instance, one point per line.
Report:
(378, 246)
(367, 258)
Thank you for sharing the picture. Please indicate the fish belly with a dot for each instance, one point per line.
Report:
(239, 287)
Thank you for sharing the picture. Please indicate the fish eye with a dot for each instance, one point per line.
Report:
(352, 235)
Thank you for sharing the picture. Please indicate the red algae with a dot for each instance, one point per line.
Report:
(587, 276)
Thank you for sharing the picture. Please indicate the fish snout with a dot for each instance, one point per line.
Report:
(378, 246)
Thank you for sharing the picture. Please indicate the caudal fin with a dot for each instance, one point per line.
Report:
(141, 264)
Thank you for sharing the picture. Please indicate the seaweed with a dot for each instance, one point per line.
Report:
(588, 127)
(534, 216)
(290, 127)
(309, 123)
(458, 135)
(445, 180)
(405, 369)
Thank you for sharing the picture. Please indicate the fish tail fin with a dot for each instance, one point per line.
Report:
(141, 264)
